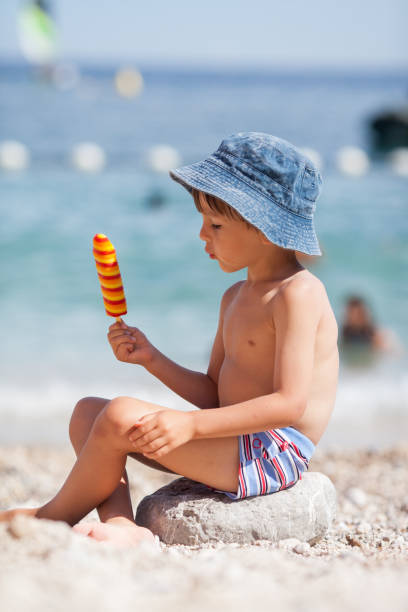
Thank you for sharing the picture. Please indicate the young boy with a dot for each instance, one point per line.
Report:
(270, 385)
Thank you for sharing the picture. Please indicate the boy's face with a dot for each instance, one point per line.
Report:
(229, 241)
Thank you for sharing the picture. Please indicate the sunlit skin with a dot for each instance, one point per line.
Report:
(274, 363)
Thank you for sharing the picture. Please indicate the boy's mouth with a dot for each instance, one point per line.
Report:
(210, 254)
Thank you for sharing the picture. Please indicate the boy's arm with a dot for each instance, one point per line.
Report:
(296, 316)
(195, 387)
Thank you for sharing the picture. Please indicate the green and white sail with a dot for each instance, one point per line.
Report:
(37, 33)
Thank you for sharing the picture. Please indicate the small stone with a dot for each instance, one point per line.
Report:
(187, 512)
(363, 528)
(398, 542)
(303, 548)
(381, 518)
(404, 504)
(353, 541)
(357, 497)
(22, 526)
(342, 526)
(289, 543)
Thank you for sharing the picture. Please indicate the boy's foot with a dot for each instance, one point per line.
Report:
(120, 531)
(8, 515)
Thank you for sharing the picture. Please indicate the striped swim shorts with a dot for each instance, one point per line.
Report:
(271, 461)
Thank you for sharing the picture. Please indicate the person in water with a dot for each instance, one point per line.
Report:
(269, 390)
(359, 328)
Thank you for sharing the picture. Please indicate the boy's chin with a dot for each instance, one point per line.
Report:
(229, 268)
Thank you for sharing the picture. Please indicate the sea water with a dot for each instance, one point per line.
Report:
(54, 348)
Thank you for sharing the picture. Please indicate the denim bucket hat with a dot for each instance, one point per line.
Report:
(268, 181)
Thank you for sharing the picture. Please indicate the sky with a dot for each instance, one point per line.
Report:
(266, 33)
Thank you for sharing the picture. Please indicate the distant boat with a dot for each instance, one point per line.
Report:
(389, 130)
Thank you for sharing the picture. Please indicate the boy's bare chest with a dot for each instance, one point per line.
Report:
(248, 331)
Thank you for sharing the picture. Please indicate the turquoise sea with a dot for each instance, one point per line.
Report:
(53, 339)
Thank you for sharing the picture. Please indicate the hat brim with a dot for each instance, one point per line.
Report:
(283, 228)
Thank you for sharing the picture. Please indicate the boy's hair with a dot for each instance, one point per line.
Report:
(219, 206)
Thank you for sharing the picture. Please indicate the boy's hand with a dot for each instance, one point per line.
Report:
(129, 344)
(158, 433)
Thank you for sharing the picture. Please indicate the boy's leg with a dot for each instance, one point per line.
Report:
(118, 504)
(101, 462)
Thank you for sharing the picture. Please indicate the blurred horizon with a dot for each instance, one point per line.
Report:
(266, 35)
(111, 65)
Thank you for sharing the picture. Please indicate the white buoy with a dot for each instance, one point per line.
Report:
(352, 161)
(314, 156)
(88, 157)
(14, 155)
(163, 158)
(399, 161)
(128, 82)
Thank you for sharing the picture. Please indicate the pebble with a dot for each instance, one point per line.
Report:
(363, 528)
(357, 497)
(303, 548)
(288, 543)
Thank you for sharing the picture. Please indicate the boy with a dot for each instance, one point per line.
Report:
(270, 386)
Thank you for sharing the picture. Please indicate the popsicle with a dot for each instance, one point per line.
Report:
(109, 276)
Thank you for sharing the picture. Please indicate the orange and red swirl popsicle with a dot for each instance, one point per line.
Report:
(109, 276)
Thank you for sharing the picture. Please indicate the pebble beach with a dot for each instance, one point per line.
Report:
(362, 561)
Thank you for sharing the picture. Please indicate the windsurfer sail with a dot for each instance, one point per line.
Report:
(37, 33)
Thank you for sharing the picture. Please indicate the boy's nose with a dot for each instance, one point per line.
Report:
(202, 233)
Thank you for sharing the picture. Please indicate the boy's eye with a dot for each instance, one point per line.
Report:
(214, 226)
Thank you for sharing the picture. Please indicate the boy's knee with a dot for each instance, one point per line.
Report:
(84, 415)
(114, 418)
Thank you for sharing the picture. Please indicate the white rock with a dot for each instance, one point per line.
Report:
(189, 513)
(303, 548)
(363, 528)
(342, 526)
(357, 497)
(289, 543)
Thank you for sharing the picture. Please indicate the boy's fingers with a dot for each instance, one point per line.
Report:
(124, 340)
(119, 334)
(154, 446)
(143, 430)
(144, 438)
(115, 325)
(166, 448)
(146, 417)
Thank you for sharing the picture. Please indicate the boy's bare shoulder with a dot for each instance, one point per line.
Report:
(230, 293)
(302, 291)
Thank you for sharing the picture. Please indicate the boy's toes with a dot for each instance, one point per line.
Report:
(85, 528)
